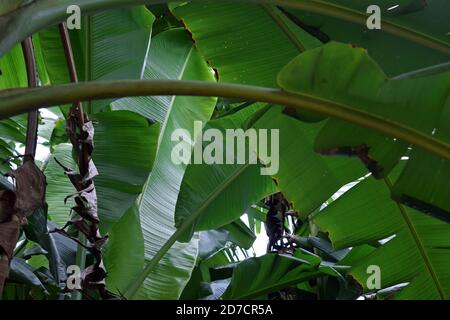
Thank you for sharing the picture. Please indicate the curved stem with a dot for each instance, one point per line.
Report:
(17, 101)
(68, 52)
(33, 115)
(77, 107)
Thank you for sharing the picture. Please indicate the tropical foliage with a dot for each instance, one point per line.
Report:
(89, 180)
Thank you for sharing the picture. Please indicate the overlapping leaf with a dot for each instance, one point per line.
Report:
(348, 75)
(418, 253)
(220, 193)
(253, 56)
(396, 55)
(124, 252)
(157, 203)
(256, 277)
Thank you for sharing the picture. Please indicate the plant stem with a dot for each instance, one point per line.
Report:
(82, 152)
(77, 107)
(68, 52)
(17, 101)
(32, 124)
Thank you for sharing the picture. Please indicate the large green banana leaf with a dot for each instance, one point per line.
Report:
(157, 203)
(13, 71)
(215, 192)
(256, 277)
(425, 182)
(124, 151)
(250, 43)
(53, 62)
(395, 55)
(59, 186)
(112, 50)
(306, 178)
(12, 75)
(38, 15)
(348, 75)
(418, 253)
(220, 193)
(124, 252)
(213, 241)
(240, 234)
(37, 230)
(243, 42)
(159, 65)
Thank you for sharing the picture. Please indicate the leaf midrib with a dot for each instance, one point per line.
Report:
(163, 128)
(270, 10)
(420, 246)
(219, 190)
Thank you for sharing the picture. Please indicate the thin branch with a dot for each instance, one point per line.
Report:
(33, 116)
(17, 101)
(79, 135)
(77, 107)
(68, 54)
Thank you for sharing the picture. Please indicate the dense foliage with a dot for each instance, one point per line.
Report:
(364, 150)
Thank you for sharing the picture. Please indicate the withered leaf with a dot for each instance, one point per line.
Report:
(92, 171)
(88, 135)
(4, 269)
(7, 200)
(9, 233)
(30, 189)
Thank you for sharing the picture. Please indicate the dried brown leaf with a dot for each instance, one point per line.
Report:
(30, 189)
